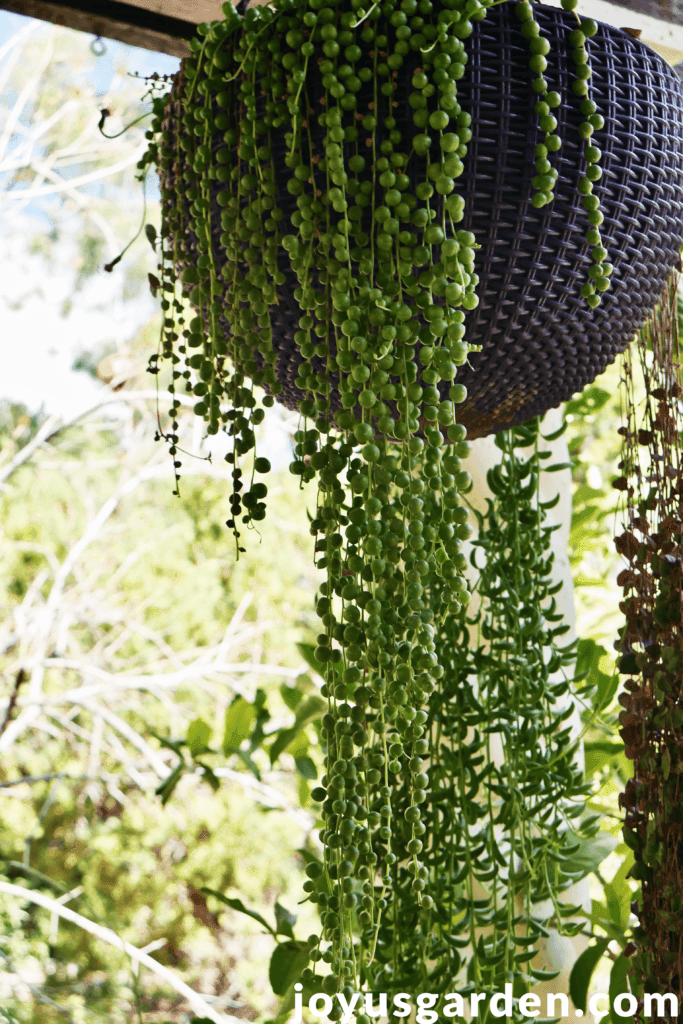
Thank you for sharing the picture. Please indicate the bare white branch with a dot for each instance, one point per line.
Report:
(197, 1002)
(25, 453)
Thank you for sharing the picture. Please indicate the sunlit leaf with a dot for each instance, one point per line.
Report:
(165, 790)
(174, 745)
(237, 905)
(308, 710)
(286, 964)
(198, 736)
(238, 720)
(599, 754)
(285, 920)
(292, 696)
(249, 763)
(307, 653)
(591, 400)
(306, 767)
(618, 984)
(582, 972)
(591, 852)
(210, 776)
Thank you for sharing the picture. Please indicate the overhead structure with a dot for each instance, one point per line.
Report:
(663, 10)
(165, 26)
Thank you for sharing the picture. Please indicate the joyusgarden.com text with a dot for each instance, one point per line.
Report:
(428, 1005)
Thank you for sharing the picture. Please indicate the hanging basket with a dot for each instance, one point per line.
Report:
(539, 341)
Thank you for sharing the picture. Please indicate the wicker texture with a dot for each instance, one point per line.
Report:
(540, 343)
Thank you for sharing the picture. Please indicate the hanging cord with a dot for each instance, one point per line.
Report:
(110, 266)
(106, 113)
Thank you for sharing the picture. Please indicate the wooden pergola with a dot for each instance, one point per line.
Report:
(165, 26)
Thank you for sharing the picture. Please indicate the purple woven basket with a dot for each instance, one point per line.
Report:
(540, 343)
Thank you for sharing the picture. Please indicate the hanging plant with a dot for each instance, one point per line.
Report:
(406, 253)
(496, 812)
(651, 646)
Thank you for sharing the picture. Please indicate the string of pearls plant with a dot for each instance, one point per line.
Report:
(495, 809)
(364, 242)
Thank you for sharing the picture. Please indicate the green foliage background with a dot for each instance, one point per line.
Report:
(142, 865)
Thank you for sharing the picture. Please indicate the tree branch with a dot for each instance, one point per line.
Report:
(12, 703)
(198, 1004)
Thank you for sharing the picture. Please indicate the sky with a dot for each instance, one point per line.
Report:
(38, 344)
(142, 61)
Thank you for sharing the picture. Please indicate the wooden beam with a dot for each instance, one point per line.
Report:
(165, 26)
(657, 23)
(133, 24)
(193, 11)
(670, 11)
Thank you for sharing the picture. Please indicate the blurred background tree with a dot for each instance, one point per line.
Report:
(124, 616)
(125, 625)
